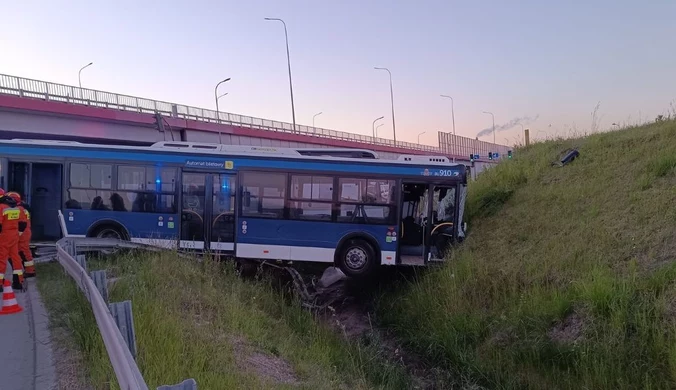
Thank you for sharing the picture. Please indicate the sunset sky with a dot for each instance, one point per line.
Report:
(543, 64)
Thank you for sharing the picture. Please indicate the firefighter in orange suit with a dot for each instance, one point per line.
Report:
(25, 237)
(9, 239)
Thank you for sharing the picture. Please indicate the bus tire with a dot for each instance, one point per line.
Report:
(357, 258)
(109, 230)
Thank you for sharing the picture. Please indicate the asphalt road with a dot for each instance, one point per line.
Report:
(26, 361)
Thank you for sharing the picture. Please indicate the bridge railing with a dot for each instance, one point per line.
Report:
(24, 87)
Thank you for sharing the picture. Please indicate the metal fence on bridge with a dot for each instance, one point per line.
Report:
(462, 146)
(24, 87)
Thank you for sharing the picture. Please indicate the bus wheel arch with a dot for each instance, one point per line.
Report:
(108, 228)
(357, 255)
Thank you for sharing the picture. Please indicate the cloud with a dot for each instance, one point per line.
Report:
(509, 125)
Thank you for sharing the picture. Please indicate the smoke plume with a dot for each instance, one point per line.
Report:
(509, 125)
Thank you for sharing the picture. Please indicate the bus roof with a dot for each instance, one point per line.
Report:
(212, 150)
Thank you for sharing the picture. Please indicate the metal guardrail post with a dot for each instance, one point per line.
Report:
(101, 282)
(72, 248)
(188, 384)
(82, 260)
(122, 314)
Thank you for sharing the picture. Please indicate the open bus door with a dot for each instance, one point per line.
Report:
(429, 219)
(208, 212)
(40, 185)
(3, 172)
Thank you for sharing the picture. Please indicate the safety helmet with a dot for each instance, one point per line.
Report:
(15, 196)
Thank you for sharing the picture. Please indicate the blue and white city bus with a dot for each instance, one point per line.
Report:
(257, 203)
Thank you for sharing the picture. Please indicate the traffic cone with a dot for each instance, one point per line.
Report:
(9, 303)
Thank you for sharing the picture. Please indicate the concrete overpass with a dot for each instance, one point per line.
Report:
(40, 109)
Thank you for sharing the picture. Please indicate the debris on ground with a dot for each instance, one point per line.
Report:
(568, 156)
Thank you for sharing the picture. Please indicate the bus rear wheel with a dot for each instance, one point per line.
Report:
(357, 258)
(109, 232)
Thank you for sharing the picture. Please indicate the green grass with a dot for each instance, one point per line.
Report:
(201, 321)
(567, 279)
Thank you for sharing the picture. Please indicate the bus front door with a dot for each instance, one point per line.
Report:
(443, 224)
(208, 212)
(414, 225)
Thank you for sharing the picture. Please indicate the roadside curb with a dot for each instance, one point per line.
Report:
(44, 371)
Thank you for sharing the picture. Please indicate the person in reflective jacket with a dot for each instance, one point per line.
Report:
(25, 237)
(9, 239)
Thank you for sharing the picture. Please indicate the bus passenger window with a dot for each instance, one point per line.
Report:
(267, 192)
(366, 200)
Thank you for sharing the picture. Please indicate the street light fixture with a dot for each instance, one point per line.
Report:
(313, 118)
(394, 128)
(373, 126)
(452, 112)
(79, 79)
(419, 136)
(377, 127)
(288, 60)
(493, 116)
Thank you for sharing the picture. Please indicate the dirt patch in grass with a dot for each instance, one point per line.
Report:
(267, 366)
(570, 330)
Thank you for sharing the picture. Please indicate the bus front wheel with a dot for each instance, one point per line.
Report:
(357, 258)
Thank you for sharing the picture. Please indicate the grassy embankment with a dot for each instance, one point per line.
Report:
(567, 279)
(202, 321)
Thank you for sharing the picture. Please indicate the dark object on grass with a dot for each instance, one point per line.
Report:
(568, 156)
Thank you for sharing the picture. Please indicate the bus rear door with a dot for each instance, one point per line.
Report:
(208, 212)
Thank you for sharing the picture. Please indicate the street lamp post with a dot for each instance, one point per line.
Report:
(377, 127)
(419, 136)
(493, 116)
(394, 128)
(313, 118)
(218, 115)
(288, 60)
(79, 79)
(373, 126)
(452, 112)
